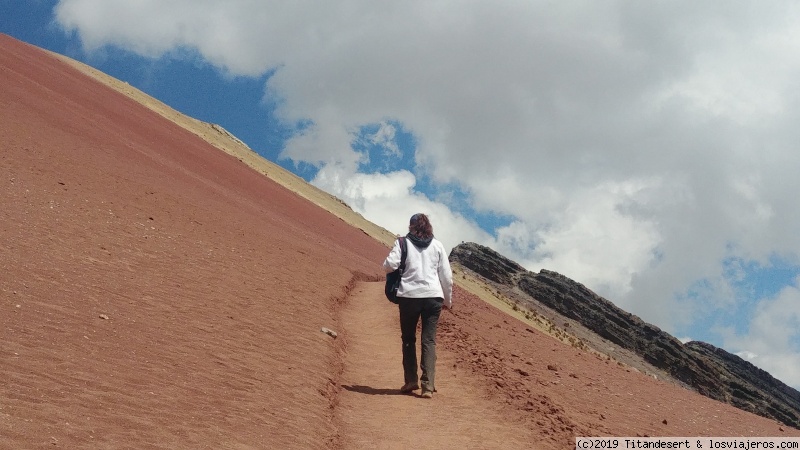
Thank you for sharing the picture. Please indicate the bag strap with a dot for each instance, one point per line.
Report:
(403, 252)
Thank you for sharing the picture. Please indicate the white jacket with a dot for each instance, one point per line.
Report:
(427, 273)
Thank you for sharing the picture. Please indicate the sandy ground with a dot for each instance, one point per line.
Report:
(159, 293)
(374, 414)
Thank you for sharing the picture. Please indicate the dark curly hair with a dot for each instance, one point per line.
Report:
(420, 226)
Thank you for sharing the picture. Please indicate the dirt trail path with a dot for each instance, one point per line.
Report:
(373, 414)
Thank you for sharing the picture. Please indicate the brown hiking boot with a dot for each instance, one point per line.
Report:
(409, 387)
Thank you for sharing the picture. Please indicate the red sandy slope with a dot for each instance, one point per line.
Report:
(214, 279)
(158, 293)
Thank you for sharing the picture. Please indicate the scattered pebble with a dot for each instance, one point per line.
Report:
(103, 316)
(329, 332)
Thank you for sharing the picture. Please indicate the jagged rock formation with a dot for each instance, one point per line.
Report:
(711, 371)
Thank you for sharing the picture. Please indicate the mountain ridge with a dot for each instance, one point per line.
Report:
(709, 370)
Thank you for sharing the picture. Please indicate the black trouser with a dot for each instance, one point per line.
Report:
(411, 309)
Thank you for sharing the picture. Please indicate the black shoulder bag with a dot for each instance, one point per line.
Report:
(393, 278)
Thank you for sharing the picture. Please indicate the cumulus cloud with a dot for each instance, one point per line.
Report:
(391, 199)
(636, 147)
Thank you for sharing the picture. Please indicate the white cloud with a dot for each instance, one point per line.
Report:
(385, 138)
(638, 146)
(772, 341)
(390, 199)
(747, 355)
(594, 229)
(323, 142)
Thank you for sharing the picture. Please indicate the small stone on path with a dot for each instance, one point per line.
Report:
(329, 332)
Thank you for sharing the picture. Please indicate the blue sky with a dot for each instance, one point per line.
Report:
(646, 150)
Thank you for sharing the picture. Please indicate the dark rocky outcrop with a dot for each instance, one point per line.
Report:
(487, 263)
(751, 388)
(711, 371)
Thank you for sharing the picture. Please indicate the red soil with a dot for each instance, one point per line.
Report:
(214, 279)
(158, 293)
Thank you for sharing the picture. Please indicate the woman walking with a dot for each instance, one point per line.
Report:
(426, 286)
